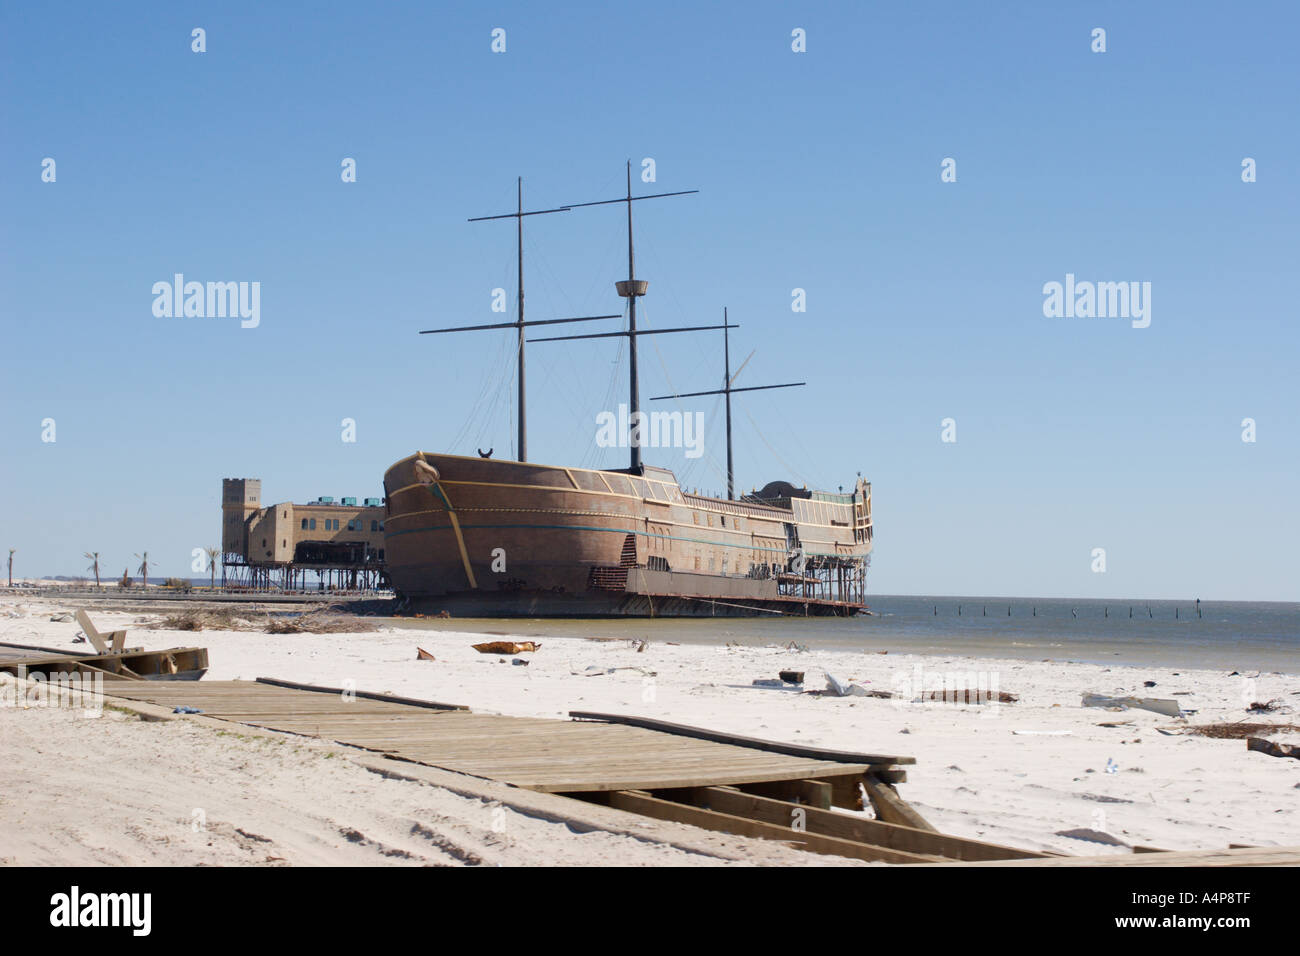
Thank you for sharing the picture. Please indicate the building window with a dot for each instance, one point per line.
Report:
(374, 526)
(313, 524)
(304, 524)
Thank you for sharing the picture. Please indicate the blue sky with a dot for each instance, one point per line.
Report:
(818, 170)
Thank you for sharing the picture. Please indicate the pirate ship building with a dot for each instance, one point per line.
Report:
(490, 537)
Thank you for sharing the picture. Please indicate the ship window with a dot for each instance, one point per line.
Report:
(619, 483)
(588, 481)
(660, 491)
(642, 488)
(710, 520)
(696, 516)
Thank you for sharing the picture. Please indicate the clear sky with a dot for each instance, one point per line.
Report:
(818, 170)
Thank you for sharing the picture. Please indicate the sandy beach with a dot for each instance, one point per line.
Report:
(1042, 773)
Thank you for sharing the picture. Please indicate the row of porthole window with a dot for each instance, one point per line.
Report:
(332, 524)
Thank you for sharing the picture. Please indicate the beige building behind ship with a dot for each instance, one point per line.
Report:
(321, 536)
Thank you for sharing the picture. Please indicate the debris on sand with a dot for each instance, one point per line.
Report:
(201, 620)
(1272, 748)
(1168, 708)
(1092, 836)
(318, 622)
(1240, 730)
(970, 695)
(1264, 706)
(506, 647)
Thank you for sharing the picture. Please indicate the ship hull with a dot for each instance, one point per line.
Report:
(482, 537)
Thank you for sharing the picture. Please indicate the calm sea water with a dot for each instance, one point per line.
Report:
(1240, 635)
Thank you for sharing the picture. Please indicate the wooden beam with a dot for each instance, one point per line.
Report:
(858, 829)
(365, 694)
(92, 635)
(701, 733)
(636, 801)
(890, 807)
(812, 793)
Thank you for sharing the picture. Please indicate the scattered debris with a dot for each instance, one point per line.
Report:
(595, 671)
(1272, 748)
(322, 621)
(1169, 708)
(1116, 723)
(640, 646)
(791, 677)
(1092, 836)
(422, 655)
(1264, 707)
(519, 662)
(506, 647)
(61, 619)
(838, 688)
(792, 646)
(969, 695)
(767, 682)
(186, 710)
(1111, 766)
(1240, 730)
(1148, 683)
(1043, 733)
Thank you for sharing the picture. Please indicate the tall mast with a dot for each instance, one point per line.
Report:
(632, 294)
(727, 390)
(631, 289)
(519, 232)
(519, 324)
(726, 383)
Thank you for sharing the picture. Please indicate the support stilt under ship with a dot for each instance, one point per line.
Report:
(489, 537)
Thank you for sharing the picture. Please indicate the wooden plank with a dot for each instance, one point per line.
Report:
(892, 808)
(793, 750)
(812, 793)
(860, 829)
(88, 629)
(646, 805)
(411, 701)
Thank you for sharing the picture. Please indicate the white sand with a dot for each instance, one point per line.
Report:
(975, 775)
